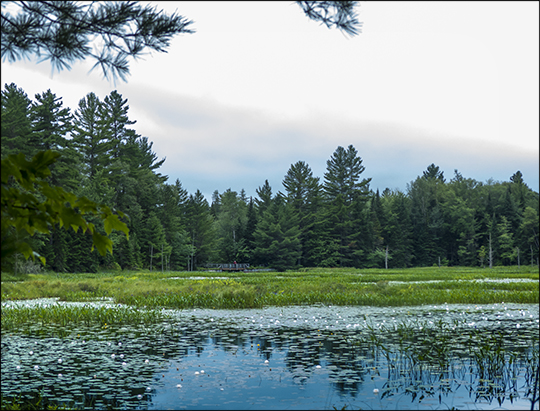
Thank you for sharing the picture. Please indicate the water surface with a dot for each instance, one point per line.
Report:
(309, 357)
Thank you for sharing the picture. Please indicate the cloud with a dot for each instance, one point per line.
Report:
(210, 146)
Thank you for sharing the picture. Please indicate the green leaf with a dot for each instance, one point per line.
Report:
(102, 243)
(85, 205)
(70, 217)
(112, 222)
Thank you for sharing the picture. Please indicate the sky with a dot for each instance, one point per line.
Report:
(259, 86)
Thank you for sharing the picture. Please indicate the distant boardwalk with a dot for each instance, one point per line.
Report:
(228, 267)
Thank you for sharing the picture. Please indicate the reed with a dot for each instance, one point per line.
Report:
(62, 315)
(336, 286)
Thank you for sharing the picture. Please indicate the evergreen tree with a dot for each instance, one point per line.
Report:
(50, 123)
(303, 191)
(230, 225)
(505, 241)
(246, 251)
(200, 226)
(460, 229)
(427, 217)
(317, 248)
(115, 114)
(155, 241)
(433, 173)
(215, 207)
(343, 174)
(519, 190)
(171, 214)
(510, 209)
(376, 241)
(16, 126)
(265, 198)
(54, 249)
(529, 233)
(91, 135)
(345, 197)
(80, 260)
(398, 229)
(277, 237)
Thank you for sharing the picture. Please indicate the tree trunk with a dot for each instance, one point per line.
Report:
(386, 259)
(151, 255)
(161, 258)
(490, 253)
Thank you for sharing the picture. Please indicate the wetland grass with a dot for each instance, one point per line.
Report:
(414, 286)
(16, 317)
(419, 355)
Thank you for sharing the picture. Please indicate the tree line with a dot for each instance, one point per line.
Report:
(336, 221)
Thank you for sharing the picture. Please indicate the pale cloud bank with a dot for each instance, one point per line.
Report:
(260, 87)
(212, 147)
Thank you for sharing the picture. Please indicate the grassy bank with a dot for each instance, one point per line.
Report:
(397, 287)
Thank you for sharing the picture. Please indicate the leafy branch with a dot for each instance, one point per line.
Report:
(63, 32)
(30, 204)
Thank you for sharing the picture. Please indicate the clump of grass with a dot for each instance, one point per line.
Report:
(14, 317)
(37, 402)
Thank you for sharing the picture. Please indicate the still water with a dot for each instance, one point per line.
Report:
(316, 357)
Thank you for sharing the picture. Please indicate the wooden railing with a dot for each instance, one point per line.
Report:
(228, 267)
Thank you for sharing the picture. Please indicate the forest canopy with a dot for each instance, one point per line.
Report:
(337, 221)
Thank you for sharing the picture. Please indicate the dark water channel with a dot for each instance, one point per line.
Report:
(318, 357)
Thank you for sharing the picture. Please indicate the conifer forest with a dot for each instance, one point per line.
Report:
(334, 220)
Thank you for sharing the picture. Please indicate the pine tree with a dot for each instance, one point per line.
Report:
(16, 126)
(426, 217)
(317, 248)
(200, 226)
(519, 190)
(171, 214)
(50, 123)
(376, 242)
(510, 209)
(80, 259)
(115, 113)
(277, 242)
(345, 198)
(302, 190)
(529, 233)
(246, 251)
(230, 224)
(90, 134)
(265, 198)
(155, 241)
(505, 241)
(63, 33)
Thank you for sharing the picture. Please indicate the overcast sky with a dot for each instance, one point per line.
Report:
(259, 87)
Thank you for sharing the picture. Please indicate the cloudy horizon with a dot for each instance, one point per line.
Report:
(259, 87)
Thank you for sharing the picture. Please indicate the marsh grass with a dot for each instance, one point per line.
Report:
(425, 356)
(497, 357)
(62, 315)
(336, 286)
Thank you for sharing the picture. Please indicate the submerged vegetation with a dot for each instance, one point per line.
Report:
(377, 337)
(447, 356)
(374, 287)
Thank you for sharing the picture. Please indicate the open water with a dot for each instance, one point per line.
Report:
(308, 357)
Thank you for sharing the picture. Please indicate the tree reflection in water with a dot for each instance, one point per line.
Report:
(424, 361)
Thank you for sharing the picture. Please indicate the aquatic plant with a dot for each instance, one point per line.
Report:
(64, 315)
